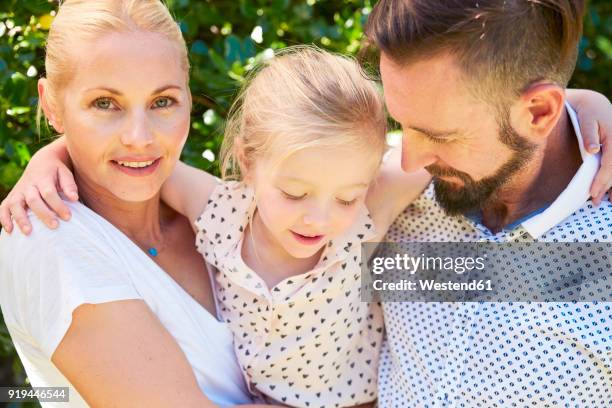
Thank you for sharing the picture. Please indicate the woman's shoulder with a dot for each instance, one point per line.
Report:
(79, 255)
(46, 275)
(84, 227)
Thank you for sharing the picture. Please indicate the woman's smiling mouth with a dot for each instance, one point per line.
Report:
(138, 168)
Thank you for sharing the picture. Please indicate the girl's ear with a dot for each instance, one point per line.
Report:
(50, 111)
(243, 162)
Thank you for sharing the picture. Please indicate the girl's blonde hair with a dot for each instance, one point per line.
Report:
(303, 97)
(87, 20)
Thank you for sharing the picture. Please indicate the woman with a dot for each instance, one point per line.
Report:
(85, 305)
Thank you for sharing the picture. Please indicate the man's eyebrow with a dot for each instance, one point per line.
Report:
(434, 133)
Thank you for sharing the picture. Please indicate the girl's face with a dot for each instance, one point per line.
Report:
(312, 196)
(125, 112)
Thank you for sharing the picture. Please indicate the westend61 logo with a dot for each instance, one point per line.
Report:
(412, 264)
(511, 272)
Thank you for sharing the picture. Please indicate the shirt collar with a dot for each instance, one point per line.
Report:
(575, 194)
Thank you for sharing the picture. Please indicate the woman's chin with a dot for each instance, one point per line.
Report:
(136, 193)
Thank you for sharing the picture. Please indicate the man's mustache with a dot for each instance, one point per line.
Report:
(438, 171)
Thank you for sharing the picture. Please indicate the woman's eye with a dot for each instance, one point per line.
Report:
(347, 203)
(293, 197)
(163, 102)
(103, 103)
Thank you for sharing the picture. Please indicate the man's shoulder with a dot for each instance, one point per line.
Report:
(587, 224)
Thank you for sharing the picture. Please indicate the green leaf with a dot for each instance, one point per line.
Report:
(218, 62)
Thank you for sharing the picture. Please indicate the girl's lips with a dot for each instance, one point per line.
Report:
(307, 240)
(137, 171)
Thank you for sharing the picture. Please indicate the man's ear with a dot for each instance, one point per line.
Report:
(50, 110)
(538, 110)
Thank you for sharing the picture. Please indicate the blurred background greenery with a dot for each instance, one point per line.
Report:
(225, 38)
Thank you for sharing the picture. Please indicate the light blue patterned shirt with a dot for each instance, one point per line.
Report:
(501, 354)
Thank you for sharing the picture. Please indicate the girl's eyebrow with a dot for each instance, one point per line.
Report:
(118, 93)
(302, 181)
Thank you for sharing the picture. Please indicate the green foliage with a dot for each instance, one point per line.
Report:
(224, 43)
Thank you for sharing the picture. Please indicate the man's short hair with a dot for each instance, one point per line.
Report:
(501, 46)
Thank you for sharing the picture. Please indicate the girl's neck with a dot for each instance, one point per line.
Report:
(140, 221)
(266, 256)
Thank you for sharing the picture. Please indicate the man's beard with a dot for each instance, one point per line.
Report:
(473, 195)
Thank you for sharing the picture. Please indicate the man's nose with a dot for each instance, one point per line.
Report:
(416, 153)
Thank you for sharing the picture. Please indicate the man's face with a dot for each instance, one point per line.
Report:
(455, 136)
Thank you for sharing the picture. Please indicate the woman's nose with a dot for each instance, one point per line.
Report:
(137, 132)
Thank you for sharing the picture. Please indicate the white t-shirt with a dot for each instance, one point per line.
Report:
(45, 276)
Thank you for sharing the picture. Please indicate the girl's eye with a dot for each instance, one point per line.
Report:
(103, 103)
(347, 203)
(293, 197)
(163, 102)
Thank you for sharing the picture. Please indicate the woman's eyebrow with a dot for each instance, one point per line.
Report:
(166, 87)
(116, 92)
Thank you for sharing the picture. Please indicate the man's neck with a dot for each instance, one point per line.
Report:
(540, 182)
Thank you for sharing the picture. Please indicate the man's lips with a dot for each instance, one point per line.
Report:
(307, 239)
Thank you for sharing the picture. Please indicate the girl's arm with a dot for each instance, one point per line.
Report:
(392, 191)
(187, 190)
(595, 117)
(49, 173)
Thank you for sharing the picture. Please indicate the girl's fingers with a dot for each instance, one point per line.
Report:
(603, 178)
(40, 208)
(67, 184)
(20, 216)
(590, 135)
(52, 199)
(5, 217)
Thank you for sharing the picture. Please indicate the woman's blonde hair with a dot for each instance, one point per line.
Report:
(303, 97)
(87, 20)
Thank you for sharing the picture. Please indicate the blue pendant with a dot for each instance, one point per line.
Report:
(152, 251)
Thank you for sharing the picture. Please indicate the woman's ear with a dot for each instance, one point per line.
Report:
(50, 111)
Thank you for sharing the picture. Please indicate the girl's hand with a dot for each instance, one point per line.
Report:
(595, 116)
(46, 175)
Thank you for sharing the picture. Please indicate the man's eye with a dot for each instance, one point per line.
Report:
(293, 197)
(163, 102)
(103, 103)
(437, 139)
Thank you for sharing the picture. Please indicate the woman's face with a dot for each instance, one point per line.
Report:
(125, 113)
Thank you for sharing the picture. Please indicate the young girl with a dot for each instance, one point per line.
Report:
(304, 143)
